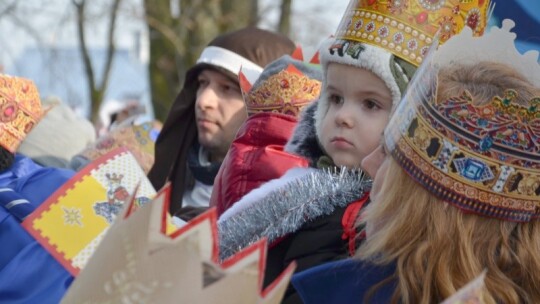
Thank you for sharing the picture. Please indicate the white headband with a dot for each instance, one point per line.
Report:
(230, 61)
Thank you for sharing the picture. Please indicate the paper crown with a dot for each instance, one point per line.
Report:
(282, 87)
(139, 139)
(481, 159)
(71, 223)
(407, 28)
(472, 293)
(20, 110)
(139, 263)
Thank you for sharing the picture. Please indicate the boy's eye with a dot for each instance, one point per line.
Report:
(335, 99)
(371, 104)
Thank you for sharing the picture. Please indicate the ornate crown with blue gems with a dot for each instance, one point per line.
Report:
(482, 159)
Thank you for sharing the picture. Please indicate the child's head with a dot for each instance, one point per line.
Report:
(462, 190)
(367, 66)
(356, 114)
(285, 87)
(359, 93)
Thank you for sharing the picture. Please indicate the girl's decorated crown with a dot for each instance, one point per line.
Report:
(484, 159)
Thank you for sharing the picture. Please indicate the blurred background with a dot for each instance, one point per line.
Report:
(102, 53)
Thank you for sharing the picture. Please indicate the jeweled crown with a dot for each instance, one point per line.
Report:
(285, 88)
(407, 28)
(484, 159)
(20, 110)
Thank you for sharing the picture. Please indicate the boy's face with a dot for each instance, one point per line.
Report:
(359, 109)
(220, 112)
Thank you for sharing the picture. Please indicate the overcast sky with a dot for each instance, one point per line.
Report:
(52, 23)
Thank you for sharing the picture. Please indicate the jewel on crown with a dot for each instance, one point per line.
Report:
(20, 110)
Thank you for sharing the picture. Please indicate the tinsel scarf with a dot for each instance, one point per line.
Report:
(286, 209)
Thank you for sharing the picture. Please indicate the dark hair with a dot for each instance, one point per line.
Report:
(6, 159)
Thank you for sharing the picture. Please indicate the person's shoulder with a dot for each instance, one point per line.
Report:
(342, 281)
(42, 182)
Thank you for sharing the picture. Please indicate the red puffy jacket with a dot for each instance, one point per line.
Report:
(256, 156)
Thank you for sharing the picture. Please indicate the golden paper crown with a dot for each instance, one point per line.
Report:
(20, 110)
(407, 28)
(139, 139)
(282, 87)
(138, 262)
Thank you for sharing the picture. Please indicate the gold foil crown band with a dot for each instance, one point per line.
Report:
(407, 28)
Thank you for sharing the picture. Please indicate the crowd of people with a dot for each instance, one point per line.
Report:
(398, 165)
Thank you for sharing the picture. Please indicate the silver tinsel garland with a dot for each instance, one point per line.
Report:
(287, 208)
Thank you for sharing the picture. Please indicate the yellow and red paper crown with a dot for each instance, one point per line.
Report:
(71, 223)
(285, 86)
(407, 28)
(20, 110)
(138, 262)
(482, 159)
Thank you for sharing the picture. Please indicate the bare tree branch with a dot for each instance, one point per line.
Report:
(97, 92)
(167, 32)
(9, 9)
(111, 46)
(284, 25)
(80, 9)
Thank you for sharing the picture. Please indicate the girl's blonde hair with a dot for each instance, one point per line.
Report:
(436, 248)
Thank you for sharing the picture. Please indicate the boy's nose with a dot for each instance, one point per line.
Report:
(343, 117)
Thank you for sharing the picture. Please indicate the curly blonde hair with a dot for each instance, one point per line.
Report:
(436, 248)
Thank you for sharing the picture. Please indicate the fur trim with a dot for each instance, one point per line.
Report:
(303, 141)
(258, 194)
(286, 209)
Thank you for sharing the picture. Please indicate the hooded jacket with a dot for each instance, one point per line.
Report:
(255, 157)
(179, 131)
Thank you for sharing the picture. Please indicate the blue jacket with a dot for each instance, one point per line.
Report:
(28, 273)
(344, 281)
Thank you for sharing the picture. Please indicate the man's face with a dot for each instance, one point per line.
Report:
(220, 112)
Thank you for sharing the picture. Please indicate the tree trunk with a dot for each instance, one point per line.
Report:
(284, 25)
(96, 91)
(177, 41)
